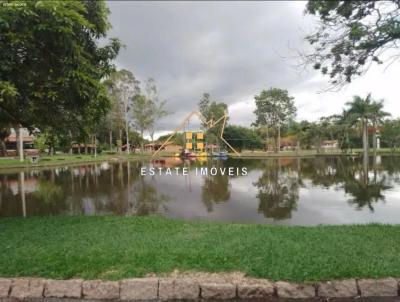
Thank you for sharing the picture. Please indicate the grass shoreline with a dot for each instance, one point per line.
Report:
(113, 248)
(59, 160)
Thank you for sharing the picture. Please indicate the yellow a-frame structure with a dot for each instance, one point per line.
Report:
(210, 124)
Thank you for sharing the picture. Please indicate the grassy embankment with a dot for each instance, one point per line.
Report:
(66, 159)
(121, 247)
(6, 163)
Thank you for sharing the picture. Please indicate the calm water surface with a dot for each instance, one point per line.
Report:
(299, 191)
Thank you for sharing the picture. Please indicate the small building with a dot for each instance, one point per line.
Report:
(289, 143)
(131, 147)
(83, 148)
(27, 138)
(166, 162)
(28, 143)
(329, 144)
(151, 147)
(169, 147)
(211, 147)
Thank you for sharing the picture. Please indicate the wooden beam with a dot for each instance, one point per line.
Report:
(210, 124)
(174, 133)
(221, 136)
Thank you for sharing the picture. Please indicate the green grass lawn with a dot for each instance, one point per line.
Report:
(121, 247)
(4, 162)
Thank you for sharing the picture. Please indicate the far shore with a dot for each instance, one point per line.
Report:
(77, 159)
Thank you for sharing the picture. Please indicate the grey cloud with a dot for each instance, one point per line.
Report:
(229, 49)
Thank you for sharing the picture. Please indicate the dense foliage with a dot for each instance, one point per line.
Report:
(212, 110)
(242, 138)
(51, 65)
(274, 109)
(352, 35)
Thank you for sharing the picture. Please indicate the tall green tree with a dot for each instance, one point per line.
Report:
(377, 115)
(361, 110)
(242, 138)
(158, 110)
(274, 109)
(391, 133)
(311, 134)
(142, 111)
(123, 88)
(204, 107)
(51, 63)
(344, 130)
(352, 35)
(115, 122)
(212, 110)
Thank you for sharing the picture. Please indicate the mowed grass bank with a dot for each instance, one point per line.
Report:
(57, 160)
(67, 159)
(122, 247)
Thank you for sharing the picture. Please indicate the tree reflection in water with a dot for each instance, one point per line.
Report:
(278, 189)
(279, 184)
(352, 174)
(134, 194)
(146, 199)
(94, 189)
(364, 188)
(48, 192)
(119, 189)
(9, 196)
(216, 188)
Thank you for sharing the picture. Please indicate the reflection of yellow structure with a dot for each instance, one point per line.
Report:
(201, 158)
(167, 162)
(200, 135)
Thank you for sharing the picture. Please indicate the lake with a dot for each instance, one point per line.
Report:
(291, 191)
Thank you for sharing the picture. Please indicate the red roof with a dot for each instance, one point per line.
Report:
(13, 139)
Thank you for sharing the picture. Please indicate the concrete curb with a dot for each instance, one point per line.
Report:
(167, 289)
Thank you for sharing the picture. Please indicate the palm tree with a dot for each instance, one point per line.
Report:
(361, 110)
(377, 115)
(343, 126)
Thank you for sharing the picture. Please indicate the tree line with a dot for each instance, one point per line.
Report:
(360, 124)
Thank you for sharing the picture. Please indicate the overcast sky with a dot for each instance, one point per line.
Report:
(232, 50)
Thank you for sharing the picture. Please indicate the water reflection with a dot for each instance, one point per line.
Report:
(363, 186)
(147, 200)
(89, 189)
(277, 190)
(215, 189)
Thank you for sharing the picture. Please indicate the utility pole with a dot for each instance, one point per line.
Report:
(20, 143)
